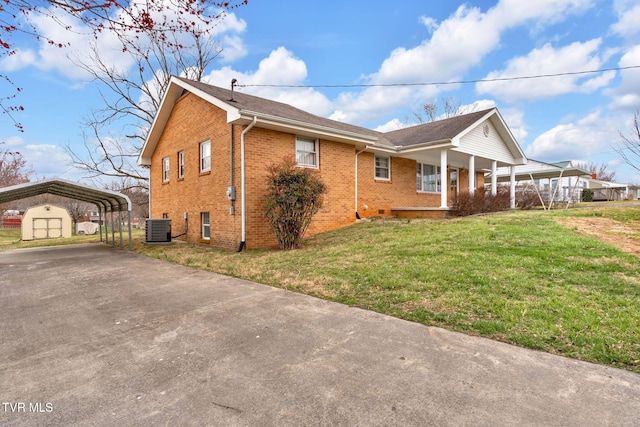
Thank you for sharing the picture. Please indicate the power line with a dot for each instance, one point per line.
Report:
(497, 79)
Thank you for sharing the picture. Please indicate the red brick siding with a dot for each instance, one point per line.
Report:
(194, 120)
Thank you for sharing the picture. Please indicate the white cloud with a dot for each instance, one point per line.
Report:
(281, 67)
(514, 118)
(457, 44)
(627, 24)
(549, 60)
(391, 125)
(233, 48)
(45, 160)
(581, 139)
(627, 95)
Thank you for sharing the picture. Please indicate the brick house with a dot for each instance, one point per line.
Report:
(208, 149)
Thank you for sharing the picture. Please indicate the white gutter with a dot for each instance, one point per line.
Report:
(243, 186)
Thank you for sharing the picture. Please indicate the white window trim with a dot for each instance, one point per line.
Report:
(166, 165)
(438, 182)
(208, 224)
(375, 168)
(202, 167)
(180, 164)
(316, 151)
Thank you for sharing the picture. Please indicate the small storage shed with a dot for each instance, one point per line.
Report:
(46, 222)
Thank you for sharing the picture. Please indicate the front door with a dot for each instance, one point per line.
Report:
(453, 184)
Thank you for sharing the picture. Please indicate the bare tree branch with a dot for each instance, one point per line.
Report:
(431, 111)
(629, 146)
(132, 99)
(131, 21)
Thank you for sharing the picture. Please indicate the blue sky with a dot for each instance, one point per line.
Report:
(316, 43)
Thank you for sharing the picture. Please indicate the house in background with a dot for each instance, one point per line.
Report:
(208, 149)
(563, 182)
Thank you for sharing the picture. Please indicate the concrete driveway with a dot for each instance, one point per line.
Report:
(93, 335)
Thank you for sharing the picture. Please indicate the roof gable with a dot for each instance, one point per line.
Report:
(436, 131)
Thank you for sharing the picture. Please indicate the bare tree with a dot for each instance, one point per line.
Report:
(601, 171)
(437, 110)
(629, 146)
(76, 208)
(132, 99)
(130, 21)
(13, 168)
(139, 196)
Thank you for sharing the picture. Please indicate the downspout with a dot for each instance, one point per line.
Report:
(356, 180)
(149, 196)
(243, 200)
(232, 208)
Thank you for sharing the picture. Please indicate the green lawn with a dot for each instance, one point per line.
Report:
(515, 277)
(10, 238)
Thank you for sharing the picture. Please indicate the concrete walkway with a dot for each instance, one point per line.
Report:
(98, 336)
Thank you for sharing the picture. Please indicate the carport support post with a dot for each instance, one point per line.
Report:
(130, 239)
(106, 226)
(100, 221)
(537, 192)
(120, 228)
(113, 230)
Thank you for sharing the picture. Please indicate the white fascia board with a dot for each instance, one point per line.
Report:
(159, 121)
(433, 145)
(382, 149)
(297, 127)
(174, 91)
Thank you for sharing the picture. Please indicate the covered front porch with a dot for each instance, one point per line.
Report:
(463, 173)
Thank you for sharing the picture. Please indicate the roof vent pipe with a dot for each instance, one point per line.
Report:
(233, 85)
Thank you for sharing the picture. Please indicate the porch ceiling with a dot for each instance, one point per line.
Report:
(455, 159)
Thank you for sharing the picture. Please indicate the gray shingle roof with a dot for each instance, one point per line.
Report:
(420, 134)
(250, 103)
(439, 130)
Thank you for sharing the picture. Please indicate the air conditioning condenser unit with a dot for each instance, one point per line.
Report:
(158, 230)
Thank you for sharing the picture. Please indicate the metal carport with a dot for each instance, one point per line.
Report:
(105, 200)
(535, 169)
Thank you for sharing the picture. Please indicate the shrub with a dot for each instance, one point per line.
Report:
(294, 195)
(481, 202)
(527, 199)
(587, 195)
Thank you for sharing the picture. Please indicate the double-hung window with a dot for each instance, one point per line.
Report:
(180, 164)
(307, 151)
(205, 156)
(165, 169)
(428, 178)
(383, 167)
(206, 225)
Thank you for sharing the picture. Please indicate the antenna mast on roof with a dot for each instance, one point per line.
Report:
(233, 85)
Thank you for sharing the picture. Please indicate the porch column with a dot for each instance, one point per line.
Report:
(444, 173)
(494, 178)
(512, 189)
(472, 174)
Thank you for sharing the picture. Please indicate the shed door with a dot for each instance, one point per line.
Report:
(47, 228)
